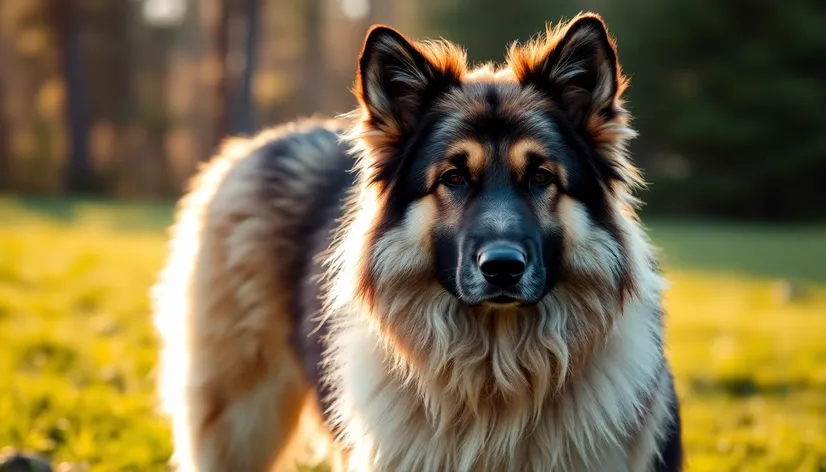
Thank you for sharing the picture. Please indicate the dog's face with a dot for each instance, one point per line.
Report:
(494, 187)
(491, 169)
(494, 170)
(492, 239)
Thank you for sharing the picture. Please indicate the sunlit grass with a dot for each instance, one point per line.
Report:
(78, 350)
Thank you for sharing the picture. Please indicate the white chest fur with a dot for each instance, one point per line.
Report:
(590, 426)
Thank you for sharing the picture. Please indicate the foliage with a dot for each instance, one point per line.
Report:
(727, 96)
(748, 354)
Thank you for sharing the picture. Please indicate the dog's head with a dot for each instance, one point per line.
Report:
(494, 204)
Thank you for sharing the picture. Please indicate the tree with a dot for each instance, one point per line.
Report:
(243, 120)
(5, 153)
(157, 118)
(64, 16)
(313, 81)
(222, 85)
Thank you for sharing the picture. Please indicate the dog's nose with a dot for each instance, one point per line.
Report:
(502, 264)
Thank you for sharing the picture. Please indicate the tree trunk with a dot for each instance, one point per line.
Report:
(5, 152)
(243, 112)
(79, 173)
(160, 121)
(314, 84)
(222, 85)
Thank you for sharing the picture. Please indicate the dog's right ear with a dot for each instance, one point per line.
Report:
(397, 79)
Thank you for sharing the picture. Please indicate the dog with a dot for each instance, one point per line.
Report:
(453, 277)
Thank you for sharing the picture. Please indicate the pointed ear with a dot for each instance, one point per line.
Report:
(576, 64)
(398, 79)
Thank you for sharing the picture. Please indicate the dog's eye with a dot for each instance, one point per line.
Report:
(453, 178)
(542, 177)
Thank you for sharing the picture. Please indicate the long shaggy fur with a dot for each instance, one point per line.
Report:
(230, 378)
(287, 232)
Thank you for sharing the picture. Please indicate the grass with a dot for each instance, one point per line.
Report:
(749, 350)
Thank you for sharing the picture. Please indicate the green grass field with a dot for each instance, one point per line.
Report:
(746, 335)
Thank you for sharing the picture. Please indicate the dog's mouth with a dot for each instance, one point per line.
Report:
(500, 298)
(504, 300)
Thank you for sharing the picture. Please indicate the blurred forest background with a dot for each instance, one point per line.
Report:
(108, 106)
(123, 98)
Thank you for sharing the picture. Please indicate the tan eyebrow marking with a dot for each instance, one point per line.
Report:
(475, 154)
(518, 155)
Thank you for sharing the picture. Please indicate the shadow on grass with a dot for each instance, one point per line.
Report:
(744, 387)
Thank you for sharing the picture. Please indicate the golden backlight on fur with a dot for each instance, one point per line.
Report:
(419, 380)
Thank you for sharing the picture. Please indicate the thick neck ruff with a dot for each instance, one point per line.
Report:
(422, 383)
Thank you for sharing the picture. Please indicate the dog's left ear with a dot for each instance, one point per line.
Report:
(576, 64)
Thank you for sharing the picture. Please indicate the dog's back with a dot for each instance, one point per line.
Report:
(244, 245)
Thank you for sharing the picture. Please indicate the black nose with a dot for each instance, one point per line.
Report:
(502, 264)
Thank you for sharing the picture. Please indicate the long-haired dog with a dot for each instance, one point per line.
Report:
(452, 278)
